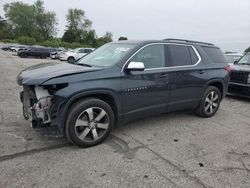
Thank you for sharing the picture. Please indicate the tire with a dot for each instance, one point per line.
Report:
(71, 60)
(23, 55)
(84, 129)
(210, 102)
(43, 56)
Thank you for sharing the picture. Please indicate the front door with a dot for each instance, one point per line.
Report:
(146, 92)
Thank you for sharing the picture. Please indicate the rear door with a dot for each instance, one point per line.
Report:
(187, 76)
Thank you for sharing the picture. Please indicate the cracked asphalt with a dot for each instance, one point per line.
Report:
(170, 150)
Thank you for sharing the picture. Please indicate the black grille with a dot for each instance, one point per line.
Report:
(239, 77)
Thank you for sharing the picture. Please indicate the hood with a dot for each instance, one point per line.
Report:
(38, 74)
(237, 67)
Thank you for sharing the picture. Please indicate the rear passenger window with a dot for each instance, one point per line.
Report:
(181, 55)
(215, 54)
(152, 56)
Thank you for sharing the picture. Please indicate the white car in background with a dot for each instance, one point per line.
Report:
(73, 55)
(233, 57)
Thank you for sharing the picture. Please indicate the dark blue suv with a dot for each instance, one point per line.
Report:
(122, 81)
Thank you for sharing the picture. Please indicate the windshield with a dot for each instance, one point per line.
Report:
(107, 55)
(245, 60)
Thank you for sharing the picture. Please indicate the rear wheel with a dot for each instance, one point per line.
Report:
(89, 122)
(210, 102)
(23, 55)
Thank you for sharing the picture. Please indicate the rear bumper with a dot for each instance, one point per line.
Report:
(239, 89)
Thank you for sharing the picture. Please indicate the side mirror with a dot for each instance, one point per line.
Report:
(235, 62)
(135, 66)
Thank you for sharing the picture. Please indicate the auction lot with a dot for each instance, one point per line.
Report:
(170, 150)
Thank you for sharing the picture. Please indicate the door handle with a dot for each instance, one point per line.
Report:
(163, 75)
(201, 71)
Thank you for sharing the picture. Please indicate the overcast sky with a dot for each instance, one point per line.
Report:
(223, 22)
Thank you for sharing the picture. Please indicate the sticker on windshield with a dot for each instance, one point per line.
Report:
(122, 49)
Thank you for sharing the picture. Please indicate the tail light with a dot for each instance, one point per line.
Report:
(228, 68)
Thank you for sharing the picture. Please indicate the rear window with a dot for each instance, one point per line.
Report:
(215, 54)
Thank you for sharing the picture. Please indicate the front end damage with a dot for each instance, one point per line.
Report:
(41, 106)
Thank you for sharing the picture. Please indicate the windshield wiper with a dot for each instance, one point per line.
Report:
(83, 64)
(244, 64)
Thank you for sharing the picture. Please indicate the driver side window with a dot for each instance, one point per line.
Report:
(152, 56)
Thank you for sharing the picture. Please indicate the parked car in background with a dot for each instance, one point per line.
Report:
(6, 48)
(240, 77)
(73, 55)
(18, 47)
(233, 57)
(34, 52)
(122, 81)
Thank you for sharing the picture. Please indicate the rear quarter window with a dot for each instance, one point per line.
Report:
(215, 54)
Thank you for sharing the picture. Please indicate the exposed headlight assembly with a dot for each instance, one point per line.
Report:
(42, 106)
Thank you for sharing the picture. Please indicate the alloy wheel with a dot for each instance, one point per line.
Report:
(92, 124)
(211, 102)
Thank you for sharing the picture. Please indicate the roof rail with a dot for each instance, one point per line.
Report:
(184, 40)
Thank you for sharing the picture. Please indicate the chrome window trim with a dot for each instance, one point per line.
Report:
(164, 43)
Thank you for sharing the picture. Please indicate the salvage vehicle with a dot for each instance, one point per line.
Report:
(34, 52)
(73, 55)
(240, 77)
(122, 81)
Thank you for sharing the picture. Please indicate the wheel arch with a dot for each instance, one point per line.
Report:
(219, 84)
(107, 96)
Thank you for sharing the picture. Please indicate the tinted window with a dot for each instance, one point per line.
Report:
(152, 56)
(179, 55)
(81, 51)
(215, 54)
(88, 50)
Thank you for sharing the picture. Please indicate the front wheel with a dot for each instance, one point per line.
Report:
(89, 122)
(71, 60)
(210, 102)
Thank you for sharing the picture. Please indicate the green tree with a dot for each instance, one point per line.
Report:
(248, 49)
(26, 40)
(78, 26)
(89, 38)
(30, 20)
(45, 21)
(123, 38)
(105, 39)
(5, 32)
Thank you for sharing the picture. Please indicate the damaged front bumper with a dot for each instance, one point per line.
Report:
(39, 107)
